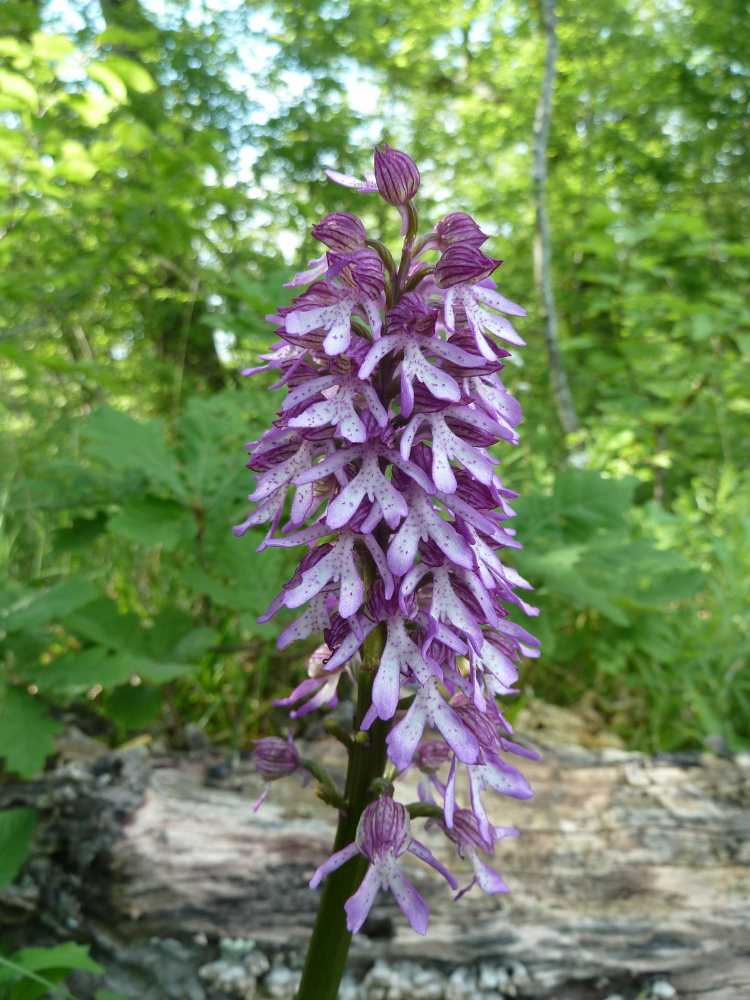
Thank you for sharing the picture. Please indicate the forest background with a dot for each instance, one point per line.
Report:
(161, 165)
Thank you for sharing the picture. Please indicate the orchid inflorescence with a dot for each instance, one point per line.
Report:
(380, 458)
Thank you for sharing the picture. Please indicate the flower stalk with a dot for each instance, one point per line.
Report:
(330, 940)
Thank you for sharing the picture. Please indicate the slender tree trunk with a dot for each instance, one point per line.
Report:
(542, 242)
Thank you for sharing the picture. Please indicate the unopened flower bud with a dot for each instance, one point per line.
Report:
(362, 269)
(340, 231)
(466, 833)
(430, 756)
(463, 263)
(412, 313)
(397, 176)
(275, 758)
(476, 722)
(384, 827)
(316, 665)
(458, 227)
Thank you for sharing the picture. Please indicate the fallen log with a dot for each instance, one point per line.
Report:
(627, 868)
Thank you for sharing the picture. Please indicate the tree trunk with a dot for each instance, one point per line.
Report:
(542, 240)
(626, 867)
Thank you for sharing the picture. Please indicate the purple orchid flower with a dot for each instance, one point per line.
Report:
(321, 684)
(383, 835)
(274, 758)
(381, 467)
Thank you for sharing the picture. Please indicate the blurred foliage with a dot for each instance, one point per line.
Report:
(160, 166)
(34, 972)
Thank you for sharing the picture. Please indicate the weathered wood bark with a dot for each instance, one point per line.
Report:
(626, 866)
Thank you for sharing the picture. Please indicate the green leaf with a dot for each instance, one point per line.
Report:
(51, 47)
(74, 163)
(112, 83)
(25, 733)
(17, 827)
(656, 635)
(150, 521)
(17, 92)
(133, 707)
(56, 602)
(127, 444)
(101, 622)
(134, 75)
(25, 648)
(83, 532)
(195, 644)
(548, 562)
(125, 36)
(173, 637)
(207, 467)
(588, 500)
(55, 964)
(75, 672)
(673, 586)
(93, 109)
(10, 47)
(203, 583)
(159, 672)
(66, 956)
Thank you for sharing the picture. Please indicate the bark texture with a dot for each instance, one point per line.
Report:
(626, 866)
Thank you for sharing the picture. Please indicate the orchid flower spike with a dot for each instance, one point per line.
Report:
(382, 470)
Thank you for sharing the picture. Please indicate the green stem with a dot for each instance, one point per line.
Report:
(329, 944)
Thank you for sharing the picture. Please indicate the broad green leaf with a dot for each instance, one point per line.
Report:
(10, 47)
(50, 965)
(157, 671)
(25, 733)
(66, 956)
(205, 465)
(93, 109)
(151, 521)
(125, 36)
(589, 501)
(101, 622)
(203, 583)
(195, 644)
(656, 636)
(17, 827)
(133, 707)
(134, 136)
(170, 625)
(174, 637)
(25, 648)
(134, 75)
(52, 47)
(125, 443)
(75, 672)
(548, 561)
(16, 91)
(74, 163)
(57, 602)
(82, 532)
(112, 83)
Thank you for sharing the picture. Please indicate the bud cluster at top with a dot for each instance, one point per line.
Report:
(381, 461)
